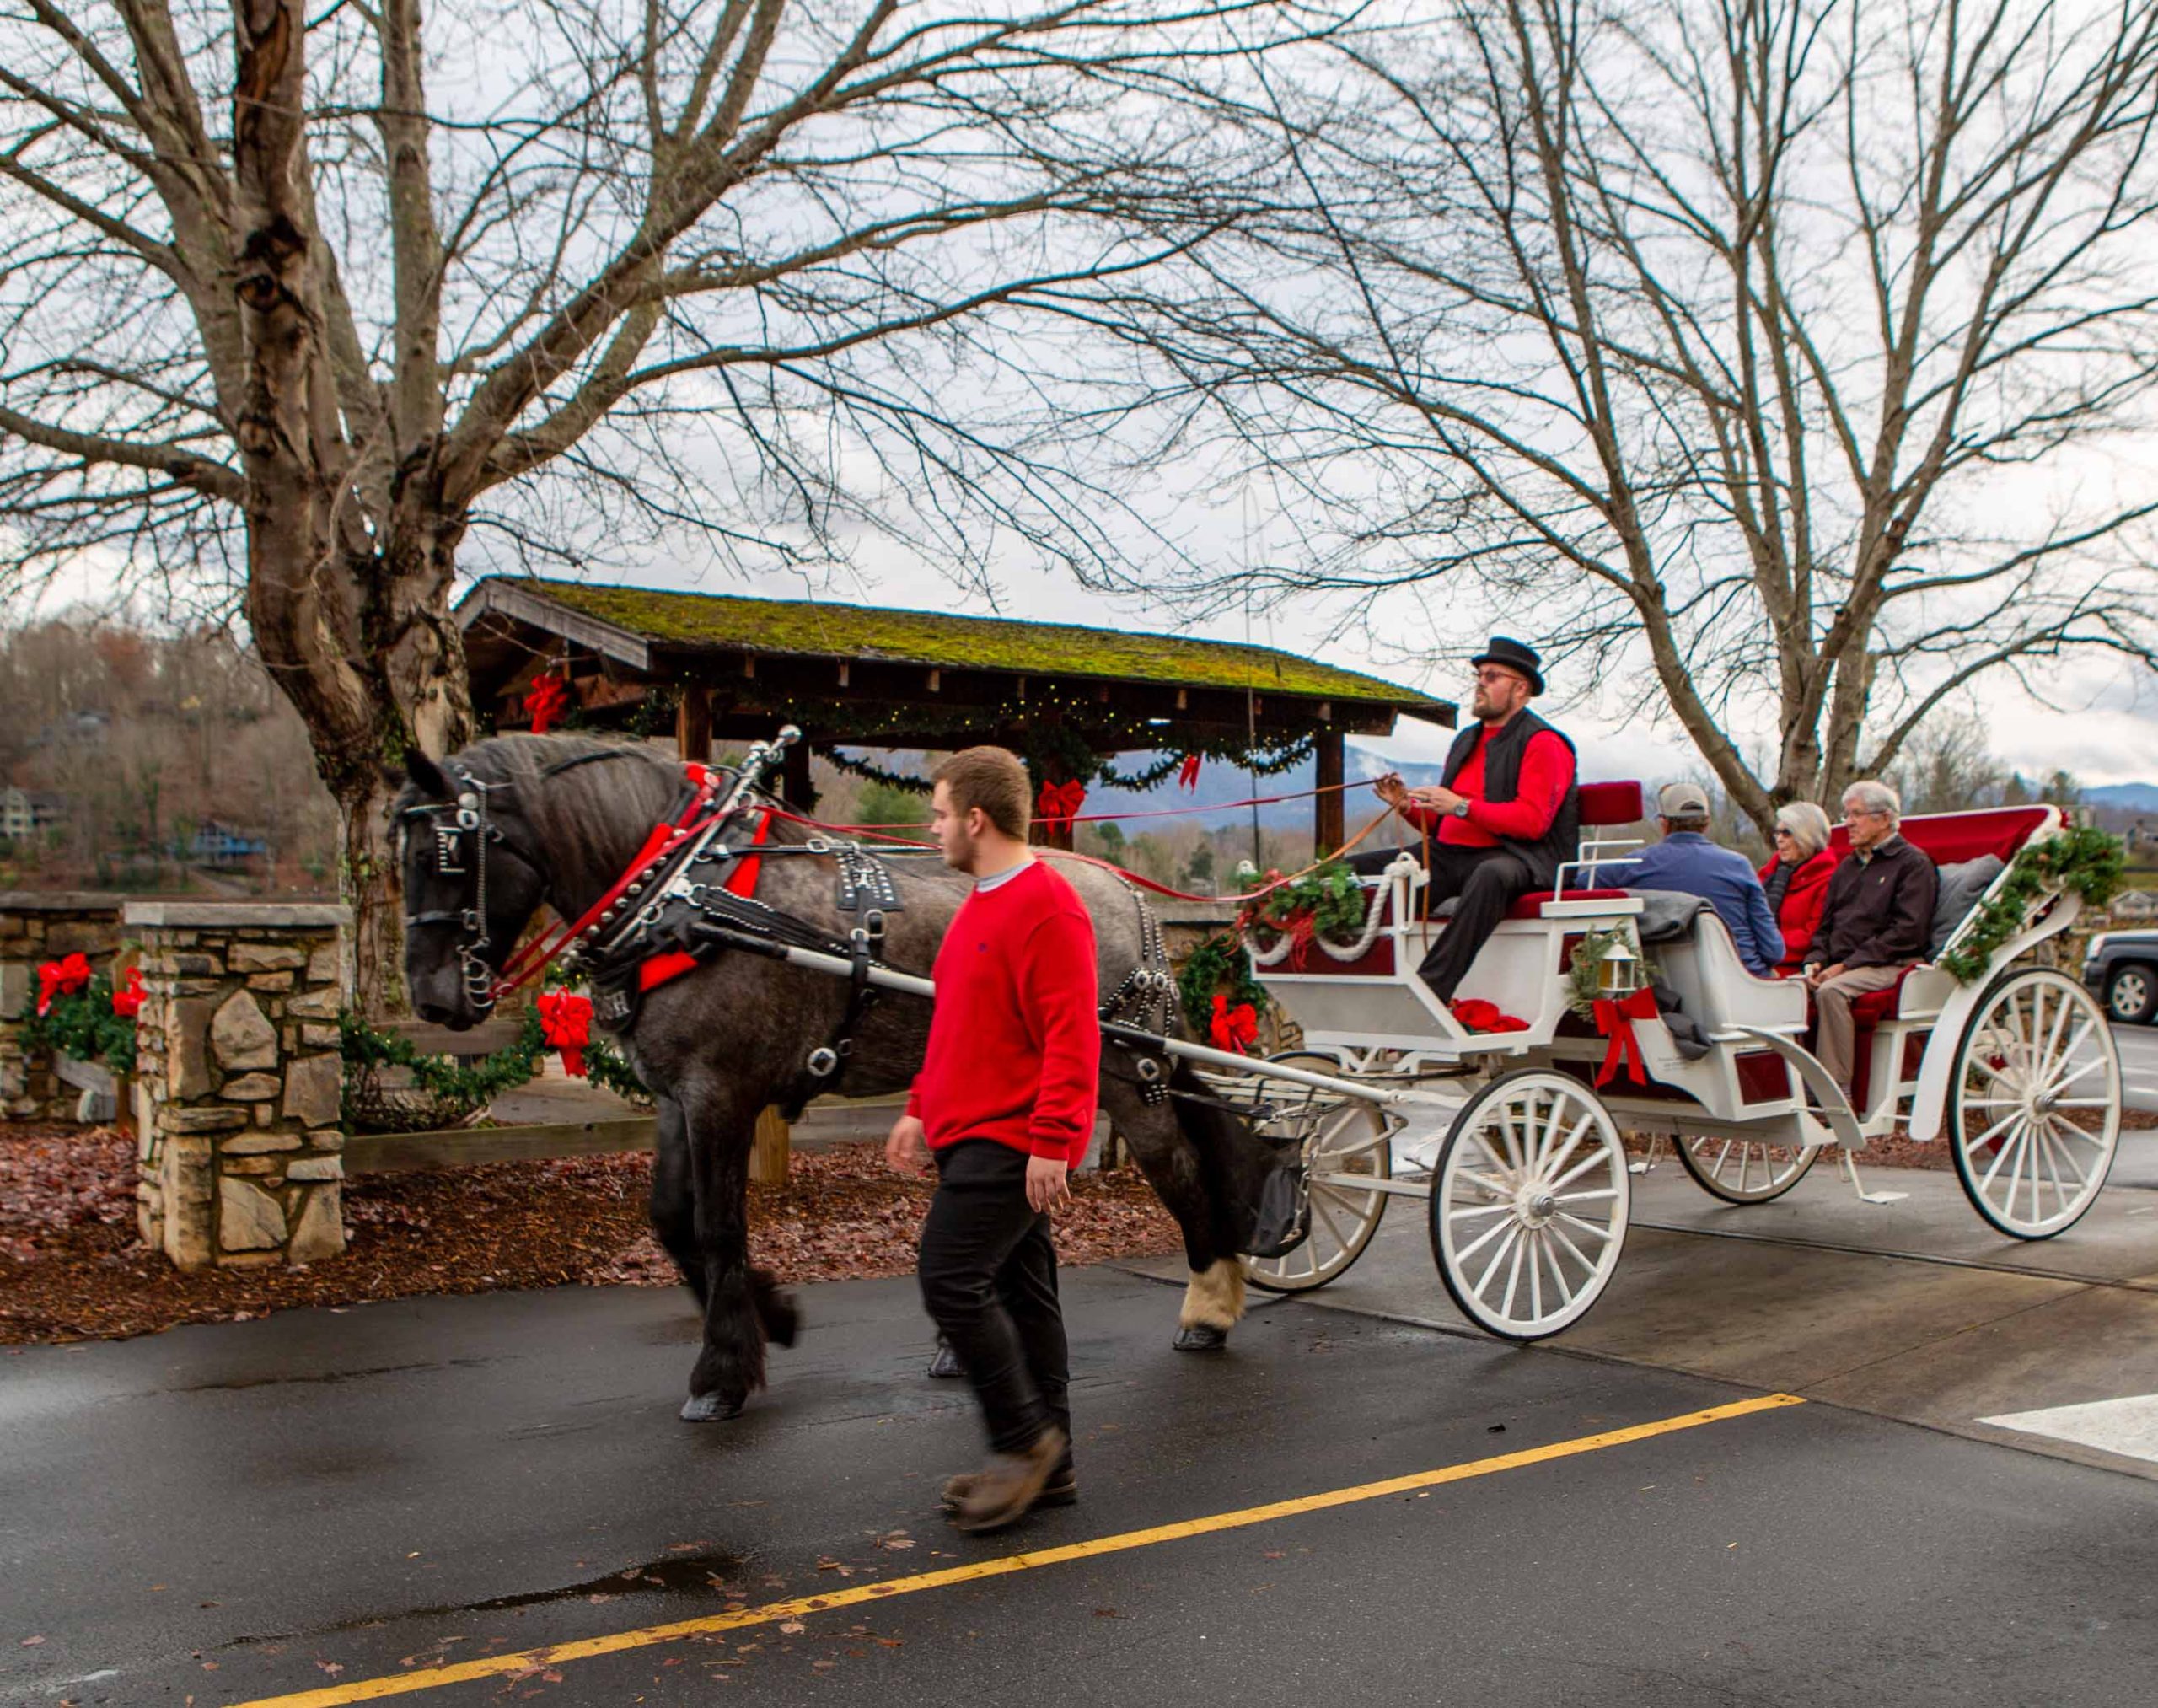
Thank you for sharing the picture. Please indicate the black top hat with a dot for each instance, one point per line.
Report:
(1505, 650)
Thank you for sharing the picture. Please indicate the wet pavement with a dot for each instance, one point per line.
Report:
(293, 1508)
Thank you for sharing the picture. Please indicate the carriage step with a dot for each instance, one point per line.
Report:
(1847, 1165)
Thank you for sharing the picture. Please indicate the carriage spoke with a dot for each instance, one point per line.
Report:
(1603, 1233)
(2008, 1148)
(1513, 1237)
(1558, 1233)
(1503, 1209)
(1334, 1228)
(1513, 1274)
(1536, 1275)
(1592, 1160)
(1573, 1141)
(1487, 1236)
(1598, 1195)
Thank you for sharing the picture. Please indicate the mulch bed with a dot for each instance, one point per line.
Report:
(71, 1268)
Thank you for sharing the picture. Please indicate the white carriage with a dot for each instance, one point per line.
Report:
(1528, 1190)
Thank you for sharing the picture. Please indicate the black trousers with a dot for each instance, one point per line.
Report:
(1486, 880)
(989, 1283)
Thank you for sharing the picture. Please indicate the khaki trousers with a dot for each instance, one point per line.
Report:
(1834, 1029)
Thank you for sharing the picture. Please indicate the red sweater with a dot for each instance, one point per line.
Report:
(1547, 772)
(1014, 1047)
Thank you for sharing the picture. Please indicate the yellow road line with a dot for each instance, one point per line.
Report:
(556, 1654)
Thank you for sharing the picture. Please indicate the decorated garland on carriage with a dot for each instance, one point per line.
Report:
(2082, 858)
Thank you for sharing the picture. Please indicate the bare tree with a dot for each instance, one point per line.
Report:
(1788, 342)
(302, 300)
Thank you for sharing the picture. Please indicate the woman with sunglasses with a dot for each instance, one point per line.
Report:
(1796, 877)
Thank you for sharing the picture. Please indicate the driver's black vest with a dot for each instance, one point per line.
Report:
(1502, 756)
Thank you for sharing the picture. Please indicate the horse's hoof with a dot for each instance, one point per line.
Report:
(709, 1408)
(1200, 1337)
(946, 1364)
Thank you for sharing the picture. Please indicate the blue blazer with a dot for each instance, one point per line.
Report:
(1688, 862)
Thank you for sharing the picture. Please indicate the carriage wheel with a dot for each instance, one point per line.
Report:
(2035, 1109)
(1529, 1204)
(1743, 1171)
(1341, 1136)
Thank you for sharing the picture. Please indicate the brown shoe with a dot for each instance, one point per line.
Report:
(1006, 1489)
(1062, 1489)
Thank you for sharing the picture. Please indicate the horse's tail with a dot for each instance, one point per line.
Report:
(1252, 1184)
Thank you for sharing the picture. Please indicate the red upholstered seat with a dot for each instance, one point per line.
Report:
(1530, 906)
(1876, 1006)
(1610, 803)
(1952, 838)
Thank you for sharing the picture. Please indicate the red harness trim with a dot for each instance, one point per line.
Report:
(530, 961)
(741, 881)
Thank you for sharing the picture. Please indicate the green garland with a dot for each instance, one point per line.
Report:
(1219, 965)
(2082, 858)
(452, 1082)
(82, 1024)
(870, 772)
(1329, 893)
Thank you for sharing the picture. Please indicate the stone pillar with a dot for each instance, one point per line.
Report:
(38, 925)
(238, 1081)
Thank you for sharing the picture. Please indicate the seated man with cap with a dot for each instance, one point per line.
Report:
(1503, 820)
(1688, 862)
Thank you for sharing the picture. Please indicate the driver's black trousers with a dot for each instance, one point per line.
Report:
(1487, 881)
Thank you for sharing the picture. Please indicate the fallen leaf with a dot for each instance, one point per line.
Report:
(793, 1627)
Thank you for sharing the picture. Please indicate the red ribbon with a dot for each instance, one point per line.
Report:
(1481, 1016)
(61, 978)
(549, 698)
(127, 999)
(1059, 803)
(1615, 1021)
(1188, 772)
(1232, 1028)
(565, 1024)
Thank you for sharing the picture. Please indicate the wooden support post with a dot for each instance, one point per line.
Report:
(692, 723)
(768, 1151)
(1329, 819)
(795, 784)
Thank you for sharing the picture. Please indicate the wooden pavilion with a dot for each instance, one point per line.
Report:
(725, 667)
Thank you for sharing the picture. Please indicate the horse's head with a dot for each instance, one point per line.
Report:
(469, 888)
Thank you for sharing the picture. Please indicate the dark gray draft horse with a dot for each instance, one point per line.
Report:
(557, 819)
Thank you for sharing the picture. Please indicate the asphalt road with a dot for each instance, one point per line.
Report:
(2138, 1048)
(303, 1504)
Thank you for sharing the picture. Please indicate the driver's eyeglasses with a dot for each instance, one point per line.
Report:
(1492, 678)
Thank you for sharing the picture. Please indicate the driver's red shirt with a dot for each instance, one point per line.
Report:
(1015, 1046)
(1547, 772)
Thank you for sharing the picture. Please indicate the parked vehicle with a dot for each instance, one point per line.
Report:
(2121, 969)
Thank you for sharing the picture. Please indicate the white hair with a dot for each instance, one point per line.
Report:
(1875, 797)
(1808, 826)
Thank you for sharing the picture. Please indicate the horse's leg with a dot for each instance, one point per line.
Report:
(1188, 1184)
(673, 1197)
(742, 1307)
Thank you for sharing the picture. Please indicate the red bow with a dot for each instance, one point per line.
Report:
(61, 979)
(1188, 772)
(1234, 1028)
(549, 696)
(1059, 803)
(1481, 1016)
(1615, 1021)
(565, 1024)
(127, 999)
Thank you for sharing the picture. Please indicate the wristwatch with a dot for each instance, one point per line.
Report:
(1461, 809)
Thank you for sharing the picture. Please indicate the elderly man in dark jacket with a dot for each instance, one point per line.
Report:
(1874, 924)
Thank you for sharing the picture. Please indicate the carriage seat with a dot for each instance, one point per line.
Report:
(1602, 807)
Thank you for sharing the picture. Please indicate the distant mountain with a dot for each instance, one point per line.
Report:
(2135, 797)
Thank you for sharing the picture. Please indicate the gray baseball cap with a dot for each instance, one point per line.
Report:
(1683, 801)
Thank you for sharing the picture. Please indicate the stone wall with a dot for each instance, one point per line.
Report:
(239, 1080)
(36, 927)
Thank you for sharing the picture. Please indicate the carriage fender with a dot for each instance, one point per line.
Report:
(1931, 1102)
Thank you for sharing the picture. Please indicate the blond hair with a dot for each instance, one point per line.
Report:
(991, 778)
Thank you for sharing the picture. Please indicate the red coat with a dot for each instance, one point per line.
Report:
(1800, 911)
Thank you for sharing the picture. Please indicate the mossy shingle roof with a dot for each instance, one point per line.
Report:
(817, 628)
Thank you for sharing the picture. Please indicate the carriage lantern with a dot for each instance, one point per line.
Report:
(1619, 972)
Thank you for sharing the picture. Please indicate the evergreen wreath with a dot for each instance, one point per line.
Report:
(1584, 965)
(82, 1024)
(1218, 966)
(2081, 859)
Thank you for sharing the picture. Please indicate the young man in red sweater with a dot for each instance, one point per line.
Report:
(1004, 1105)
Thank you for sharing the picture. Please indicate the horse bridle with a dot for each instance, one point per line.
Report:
(449, 824)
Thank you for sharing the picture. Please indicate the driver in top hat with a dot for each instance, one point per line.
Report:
(1503, 820)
